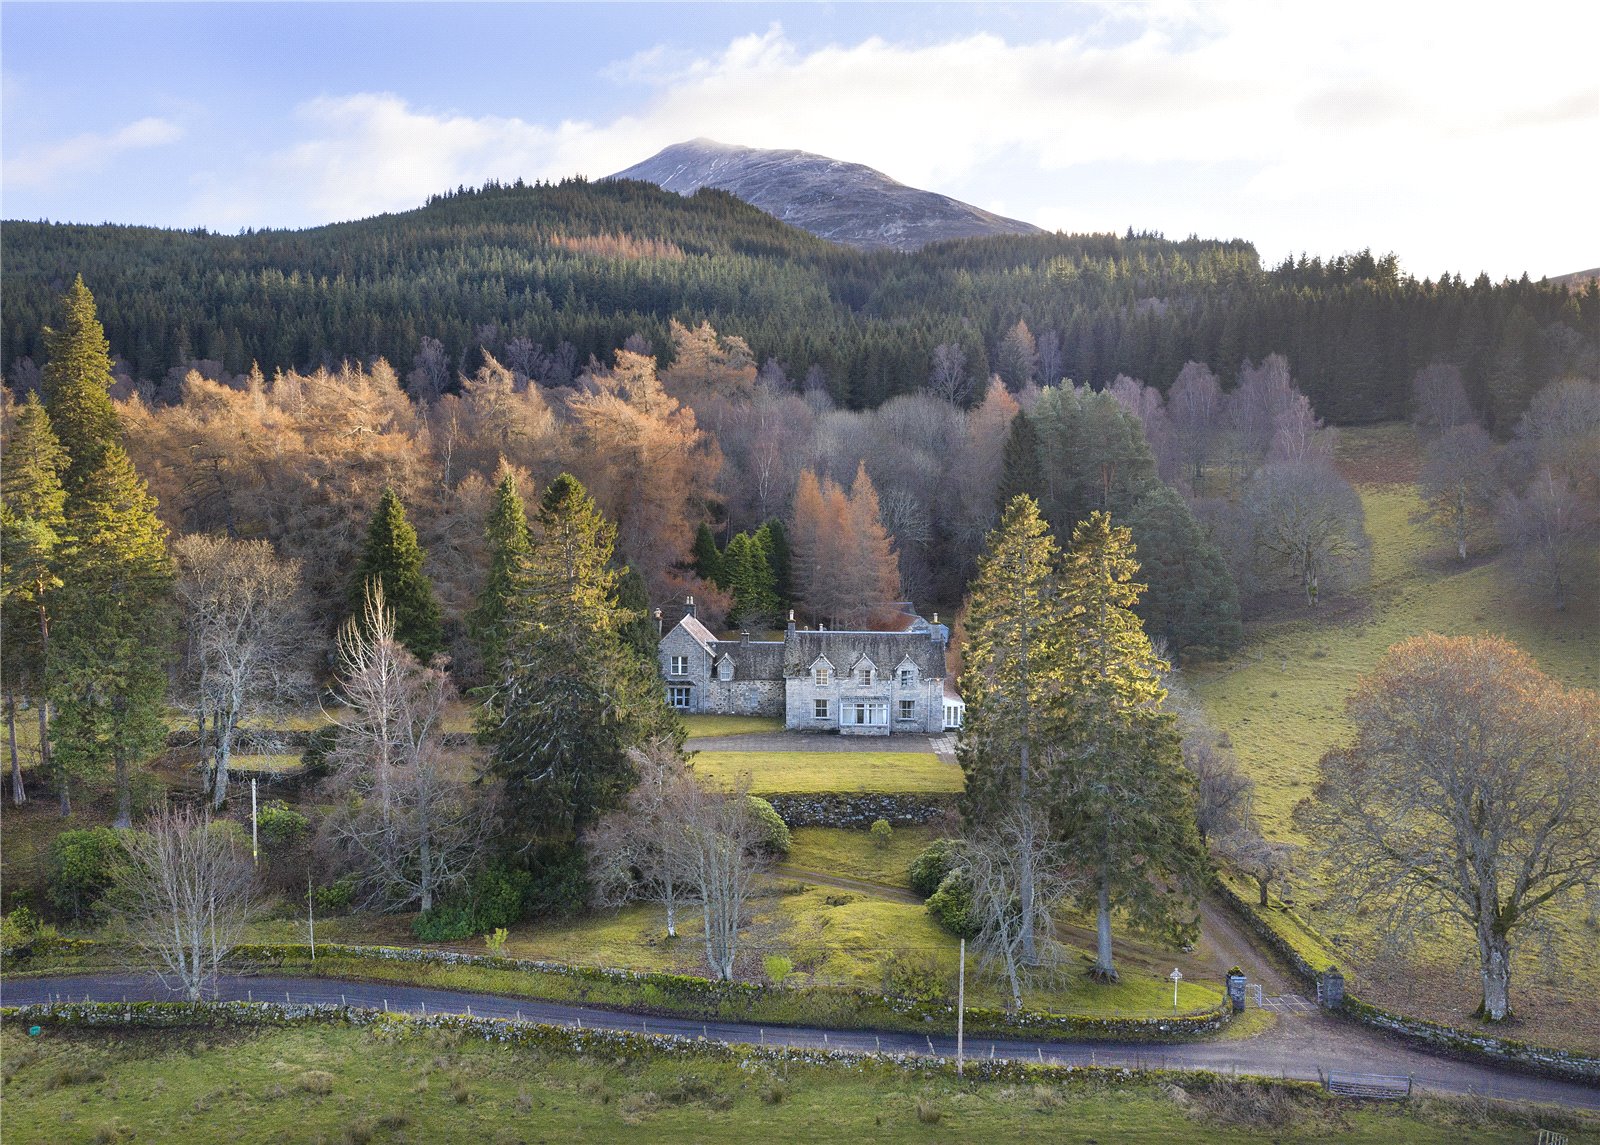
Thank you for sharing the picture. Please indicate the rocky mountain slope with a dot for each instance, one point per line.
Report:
(845, 203)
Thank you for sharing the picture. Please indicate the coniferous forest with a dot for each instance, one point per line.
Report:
(545, 276)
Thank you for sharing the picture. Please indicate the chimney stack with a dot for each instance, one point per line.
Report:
(791, 620)
(688, 606)
(744, 636)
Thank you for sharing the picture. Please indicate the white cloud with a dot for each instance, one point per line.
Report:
(1341, 125)
(46, 166)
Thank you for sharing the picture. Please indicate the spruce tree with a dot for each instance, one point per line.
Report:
(576, 695)
(393, 558)
(506, 530)
(1192, 600)
(1011, 679)
(111, 636)
(774, 540)
(77, 384)
(1020, 471)
(1124, 801)
(32, 531)
(749, 577)
(640, 633)
(707, 559)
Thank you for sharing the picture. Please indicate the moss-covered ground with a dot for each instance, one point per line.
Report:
(341, 1085)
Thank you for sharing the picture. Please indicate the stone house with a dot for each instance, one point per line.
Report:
(817, 679)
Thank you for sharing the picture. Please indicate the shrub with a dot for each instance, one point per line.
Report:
(930, 867)
(82, 866)
(335, 897)
(496, 940)
(280, 825)
(881, 833)
(558, 883)
(319, 746)
(16, 928)
(777, 967)
(775, 832)
(447, 922)
(498, 894)
(951, 905)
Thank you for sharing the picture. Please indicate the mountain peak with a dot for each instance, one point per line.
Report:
(846, 203)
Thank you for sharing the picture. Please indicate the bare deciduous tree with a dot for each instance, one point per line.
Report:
(948, 379)
(723, 856)
(1460, 483)
(1546, 528)
(185, 894)
(642, 850)
(1439, 399)
(1194, 405)
(1307, 527)
(1468, 794)
(1001, 863)
(410, 818)
(245, 619)
(1263, 860)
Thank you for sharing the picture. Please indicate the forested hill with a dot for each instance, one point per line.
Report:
(547, 275)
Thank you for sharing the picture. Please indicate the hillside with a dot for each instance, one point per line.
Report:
(847, 203)
(555, 273)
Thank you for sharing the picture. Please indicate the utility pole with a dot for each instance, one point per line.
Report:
(311, 921)
(961, 1009)
(255, 850)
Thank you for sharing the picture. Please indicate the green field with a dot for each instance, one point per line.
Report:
(810, 772)
(1281, 702)
(335, 1084)
(856, 854)
(703, 727)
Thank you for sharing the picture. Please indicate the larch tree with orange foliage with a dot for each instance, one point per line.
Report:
(844, 563)
(1468, 797)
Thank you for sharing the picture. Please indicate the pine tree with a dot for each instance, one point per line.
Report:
(640, 633)
(393, 558)
(1192, 600)
(749, 578)
(1011, 679)
(707, 558)
(506, 530)
(77, 384)
(110, 638)
(1125, 803)
(576, 696)
(32, 530)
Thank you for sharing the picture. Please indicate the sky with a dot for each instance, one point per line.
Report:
(1463, 136)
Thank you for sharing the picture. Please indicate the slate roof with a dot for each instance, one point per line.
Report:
(843, 649)
(753, 660)
(702, 635)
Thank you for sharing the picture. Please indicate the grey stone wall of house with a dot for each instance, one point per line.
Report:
(744, 697)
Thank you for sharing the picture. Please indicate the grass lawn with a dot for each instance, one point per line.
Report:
(336, 1084)
(1281, 702)
(811, 772)
(276, 764)
(856, 854)
(703, 727)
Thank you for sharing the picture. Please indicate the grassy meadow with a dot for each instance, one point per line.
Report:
(339, 1085)
(815, 772)
(1281, 702)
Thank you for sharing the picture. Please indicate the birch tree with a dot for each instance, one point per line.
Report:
(247, 629)
(1016, 875)
(1459, 484)
(642, 849)
(1468, 795)
(722, 857)
(1308, 528)
(411, 820)
(185, 894)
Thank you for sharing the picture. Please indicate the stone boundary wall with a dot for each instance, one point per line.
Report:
(860, 811)
(1542, 1060)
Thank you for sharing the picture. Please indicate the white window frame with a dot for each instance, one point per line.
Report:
(680, 666)
(820, 709)
(725, 669)
(952, 715)
(864, 676)
(908, 709)
(680, 696)
(822, 675)
(908, 677)
(866, 714)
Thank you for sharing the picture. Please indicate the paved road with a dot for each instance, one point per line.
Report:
(1298, 1047)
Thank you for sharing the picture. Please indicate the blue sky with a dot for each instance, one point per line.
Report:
(1462, 138)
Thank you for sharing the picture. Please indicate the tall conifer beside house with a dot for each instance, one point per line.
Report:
(77, 386)
(506, 530)
(32, 537)
(576, 695)
(392, 557)
(1124, 802)
(1011, 680)
(110, 641)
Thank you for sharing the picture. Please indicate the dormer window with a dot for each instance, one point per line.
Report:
(908, 677)
(823, 675)
(864, 675)
(725, 669)
(680, 666)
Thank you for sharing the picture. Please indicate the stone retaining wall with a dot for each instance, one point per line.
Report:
(860, 811)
